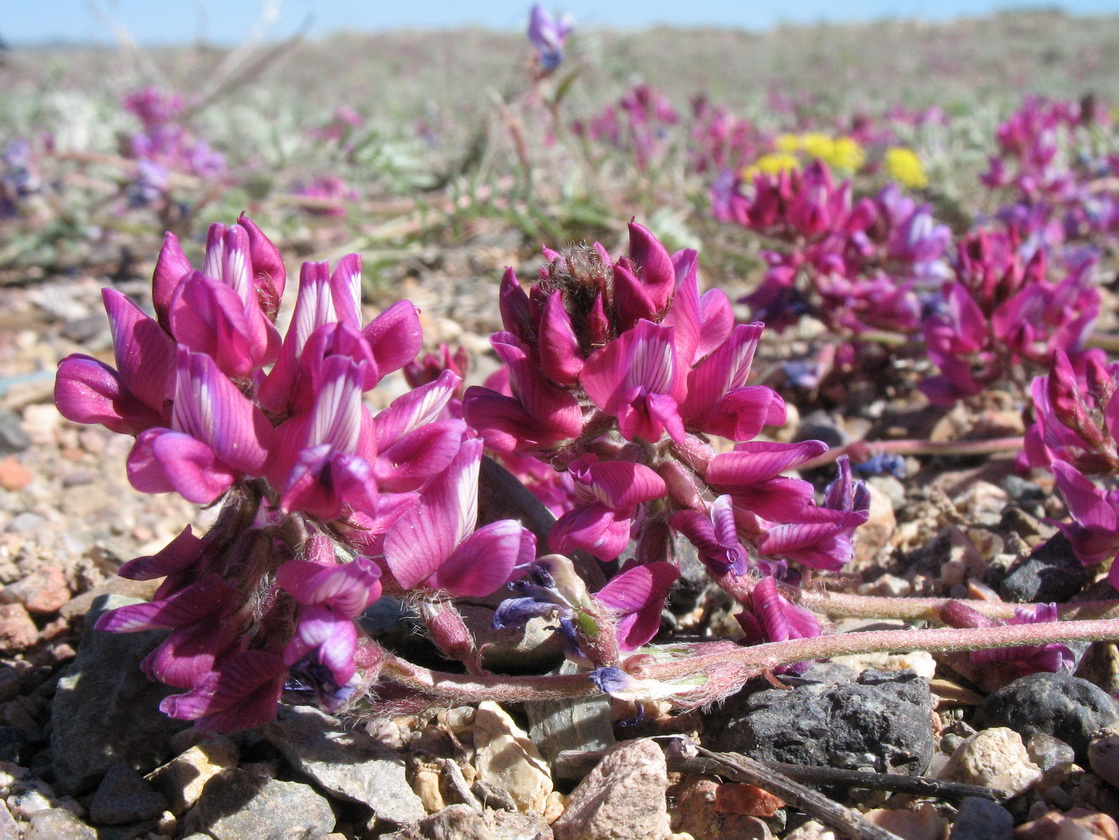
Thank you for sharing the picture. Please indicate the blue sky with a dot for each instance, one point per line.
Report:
(153, 22)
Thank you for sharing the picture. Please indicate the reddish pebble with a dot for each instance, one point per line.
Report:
(42, 592)
(747, 800)
(14, 475)
(1071, 825)
(17, 630)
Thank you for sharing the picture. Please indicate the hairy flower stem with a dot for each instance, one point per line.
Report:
(736, 665)
(860, 450)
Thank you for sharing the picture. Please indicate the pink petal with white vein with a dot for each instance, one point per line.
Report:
(211, 409)
(424, 537)
(683, 315)
(329, 484)
(755, 461)
(188, 654)
(504, 424)
(414, 409)
(778, 499)
(486, 560)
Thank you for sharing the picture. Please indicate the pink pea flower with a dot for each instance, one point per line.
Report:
(1094, 531)
(771, 617)
(548, 35)
(215, 436)
(608, 498)
(134, 397)
(434, 546)
(1028, 659)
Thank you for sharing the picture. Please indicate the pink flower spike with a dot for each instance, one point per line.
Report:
(637, 597)
(328, 484)
(715, 537)
(208, 317)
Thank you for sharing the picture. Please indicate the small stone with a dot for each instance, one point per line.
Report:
(57, 824)
(425, 784)
(695, 806)
(238, 805)
(17, 630)
(623, 797)
(811, 830)
(9, 828)
(993, 758)
(1048, 752)
(513, 825)
(1061, 705)
(124, 797)
(41, 592)
(747, 800)
(558, 725)
(182, 779)
(1077, 824)
(346, 762)
(1051, 573)
(455, 822)
(9, 684)
(13, 437)
(14, 475)
(982, 819)
(922, 824)
(507, 759)
(1103, 756)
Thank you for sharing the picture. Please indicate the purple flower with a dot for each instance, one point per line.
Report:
(771, 617)
(547, 35)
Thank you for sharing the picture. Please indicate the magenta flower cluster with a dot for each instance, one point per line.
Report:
(622, 376)
(853, 264)
(324, 505)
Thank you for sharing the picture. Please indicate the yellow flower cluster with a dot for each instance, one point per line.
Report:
(840, 153)
(905, 167)
(772, 163)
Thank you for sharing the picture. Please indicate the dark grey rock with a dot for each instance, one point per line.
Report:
(14, 743)
(124, 797)
(105, 709)
(881, 721)
(982, 819)
(13, 438)
(1051, 573)
(238, 805)
(348, 763)
(1060, 705)
(57, 824)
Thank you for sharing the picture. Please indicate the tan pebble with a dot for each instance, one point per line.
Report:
(426, 785)
(181, 780)
(507, 759)
(17, 630)
(553, 807)
(994, 758)
(14, 475)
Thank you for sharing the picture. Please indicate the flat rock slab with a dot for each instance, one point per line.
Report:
(239, 805)
(348, 763)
